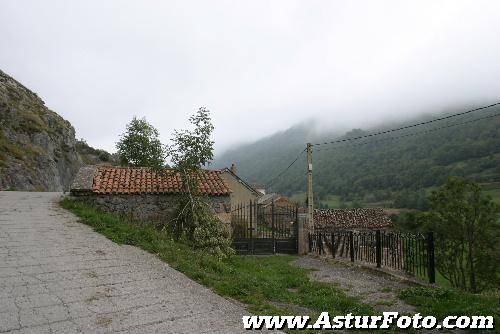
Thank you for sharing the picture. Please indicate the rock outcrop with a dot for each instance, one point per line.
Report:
(38, 150)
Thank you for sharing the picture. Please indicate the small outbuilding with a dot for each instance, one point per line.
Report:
(144, 194)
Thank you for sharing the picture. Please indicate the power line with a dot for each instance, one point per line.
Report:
(412, 134)
(271, 182)
(408, 126)
(284, 171)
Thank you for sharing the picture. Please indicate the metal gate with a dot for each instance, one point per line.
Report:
(264, 229)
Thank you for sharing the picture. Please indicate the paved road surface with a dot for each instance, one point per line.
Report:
(58, 276)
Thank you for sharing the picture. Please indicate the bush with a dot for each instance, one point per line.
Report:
(214, 237)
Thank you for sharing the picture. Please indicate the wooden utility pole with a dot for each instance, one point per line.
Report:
(310, 202)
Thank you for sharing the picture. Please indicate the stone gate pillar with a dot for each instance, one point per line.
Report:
(303, 235)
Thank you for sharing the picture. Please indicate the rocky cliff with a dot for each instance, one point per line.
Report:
(38, 150)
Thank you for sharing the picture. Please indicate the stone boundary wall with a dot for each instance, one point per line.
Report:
(149, 207)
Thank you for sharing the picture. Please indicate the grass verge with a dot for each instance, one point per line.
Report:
(442, 302)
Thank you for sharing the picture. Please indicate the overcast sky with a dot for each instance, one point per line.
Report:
(259, 66)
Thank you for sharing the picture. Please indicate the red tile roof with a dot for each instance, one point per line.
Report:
(128, 180)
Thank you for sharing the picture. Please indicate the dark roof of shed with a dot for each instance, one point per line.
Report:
(361, 218)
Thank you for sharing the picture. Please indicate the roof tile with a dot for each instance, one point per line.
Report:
(136, 180)
(360, 218)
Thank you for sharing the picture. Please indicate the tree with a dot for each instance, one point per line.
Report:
(467, 234)
(196, 219)
(140, 145)
(193, 149)
(410, 221)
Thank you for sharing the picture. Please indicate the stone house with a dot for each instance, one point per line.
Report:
(277, 199)
(241, 191)
(144, 194)
(259, 187)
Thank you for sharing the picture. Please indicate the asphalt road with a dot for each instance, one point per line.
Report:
(59, 276)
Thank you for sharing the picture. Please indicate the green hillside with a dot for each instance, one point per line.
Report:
(379, 170)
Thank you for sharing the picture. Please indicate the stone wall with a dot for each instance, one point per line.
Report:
(150, 207)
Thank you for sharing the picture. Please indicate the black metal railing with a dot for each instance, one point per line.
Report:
(412, 253)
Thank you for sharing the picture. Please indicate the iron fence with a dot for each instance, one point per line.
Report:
(409, 252)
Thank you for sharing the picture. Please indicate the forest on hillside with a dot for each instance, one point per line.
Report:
(392, 170)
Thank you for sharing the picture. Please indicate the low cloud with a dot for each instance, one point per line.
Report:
(259, 66)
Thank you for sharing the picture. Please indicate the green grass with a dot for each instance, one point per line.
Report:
(299, 198)
(332, 201)
(266, 284)
(495, 195)
(442, 302)
(442, 281)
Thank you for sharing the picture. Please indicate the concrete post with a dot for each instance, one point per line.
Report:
(310, 200)
(303, 235)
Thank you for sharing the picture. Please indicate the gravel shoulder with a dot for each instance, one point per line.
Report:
(371, 288)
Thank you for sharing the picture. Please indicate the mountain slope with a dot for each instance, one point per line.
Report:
(260, 161)
(37, 146)
(379, 169)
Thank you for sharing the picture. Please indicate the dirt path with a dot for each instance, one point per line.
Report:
(374, 289)
(59, 276)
